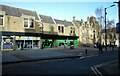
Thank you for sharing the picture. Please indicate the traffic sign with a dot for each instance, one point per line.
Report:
(117, 27)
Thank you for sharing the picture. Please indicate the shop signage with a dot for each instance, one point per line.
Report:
(27, 38)
(7, 42)
(118, 28)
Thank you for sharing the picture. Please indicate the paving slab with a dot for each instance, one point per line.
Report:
(9, 58)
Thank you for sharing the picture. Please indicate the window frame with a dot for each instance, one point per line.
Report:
(26, 19)
(59, 28)
(29, 21)
(62, 29)
(2, 17)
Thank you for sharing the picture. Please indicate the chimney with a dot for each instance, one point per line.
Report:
(73, 18)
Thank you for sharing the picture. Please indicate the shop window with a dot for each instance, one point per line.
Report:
(35, 44)
(8, 42)
(1, 19)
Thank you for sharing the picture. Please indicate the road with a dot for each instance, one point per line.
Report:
(60, 66)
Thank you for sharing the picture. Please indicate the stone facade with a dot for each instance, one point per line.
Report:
(87, 30)
(27, 21)
(111, 38)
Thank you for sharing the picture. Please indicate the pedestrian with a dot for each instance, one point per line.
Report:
(64, 45)
(99, 47)
(21, 46)
(42, 45)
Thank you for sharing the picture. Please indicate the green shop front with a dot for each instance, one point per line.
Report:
(28, 40)
(50, 40)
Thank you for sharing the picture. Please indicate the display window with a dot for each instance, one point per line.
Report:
(7, 42)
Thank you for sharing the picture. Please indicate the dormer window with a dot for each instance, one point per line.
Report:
(29, 23)
(1, 19)
(25, 22)
(61, 29)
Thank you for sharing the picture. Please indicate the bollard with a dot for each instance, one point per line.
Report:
(112, 48)
(85, 51)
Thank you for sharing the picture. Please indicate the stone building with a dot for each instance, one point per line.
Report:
(26, 29)
(111, 38)
(88, 31)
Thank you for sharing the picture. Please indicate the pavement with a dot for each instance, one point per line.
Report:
(33, 55)
(54, 53)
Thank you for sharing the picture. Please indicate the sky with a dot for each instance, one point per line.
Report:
(66, 10)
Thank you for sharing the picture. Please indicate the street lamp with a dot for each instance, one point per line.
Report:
(105, 26)
(119, 28)
(94, 36)
(42, 34)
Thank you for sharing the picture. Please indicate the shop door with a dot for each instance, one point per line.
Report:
(19, 44)
(28, 44)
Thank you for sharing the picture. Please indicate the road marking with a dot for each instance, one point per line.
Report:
(103, 64)
(94, 71)
(98, 73)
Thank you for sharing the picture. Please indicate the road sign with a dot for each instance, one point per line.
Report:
(117, 27)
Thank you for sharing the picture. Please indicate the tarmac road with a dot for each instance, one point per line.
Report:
(60, 66)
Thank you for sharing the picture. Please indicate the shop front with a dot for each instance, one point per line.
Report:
(7, 42)
(27, 42)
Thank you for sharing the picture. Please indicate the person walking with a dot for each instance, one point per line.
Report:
(99, 47)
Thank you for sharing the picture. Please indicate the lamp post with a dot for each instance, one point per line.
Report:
(105, 26)
(42, 35)
(94, 36)
(119, 33)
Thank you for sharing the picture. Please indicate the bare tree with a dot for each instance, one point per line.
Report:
(110, 24)
(99, 15)
(111, 29)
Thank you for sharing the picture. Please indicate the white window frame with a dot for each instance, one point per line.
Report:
(32, 20)
(2, 20)
(29, 23)
(60, 31)
(28, 17)
(3, 13)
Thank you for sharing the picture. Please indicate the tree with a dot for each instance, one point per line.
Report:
(110, 24)
(99, 15)
(111, 29)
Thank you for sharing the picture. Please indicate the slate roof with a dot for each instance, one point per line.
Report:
(47, 19)
(64, 22)
(13, 11)
(78, 21)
